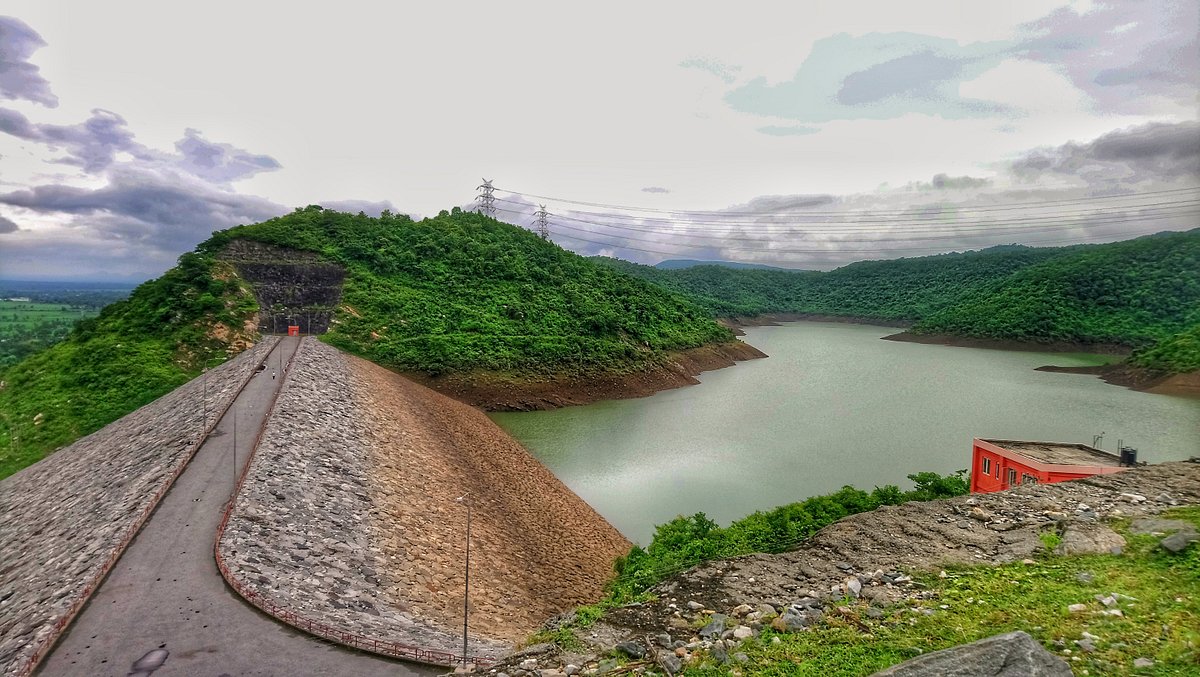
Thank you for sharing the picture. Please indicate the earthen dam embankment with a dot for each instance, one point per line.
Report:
(348, 514)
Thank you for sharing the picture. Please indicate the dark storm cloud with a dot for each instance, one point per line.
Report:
(768, 204)
(20, 79)
(1156, 152)
(162, 208)
(946, 182)
(1123, 54)
(219, 162)
(91, 145)
(7, 226)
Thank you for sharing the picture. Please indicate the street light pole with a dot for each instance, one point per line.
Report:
(233, 488)
(466, 575)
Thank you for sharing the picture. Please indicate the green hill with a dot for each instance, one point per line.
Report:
(1129, 293)
(463, 292)
(452, 294)
(900, 289)
(1177, 354)
(135, 351)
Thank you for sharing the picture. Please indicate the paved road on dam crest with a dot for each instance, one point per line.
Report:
(166, 610)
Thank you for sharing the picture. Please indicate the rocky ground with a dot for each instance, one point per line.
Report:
(348, 516)
(868, 557)
(493, 392)
(67, 515)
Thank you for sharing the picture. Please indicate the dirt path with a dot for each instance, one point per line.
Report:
(166, 593)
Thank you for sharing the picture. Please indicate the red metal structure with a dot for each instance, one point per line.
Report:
(997, 465)
(293, 330)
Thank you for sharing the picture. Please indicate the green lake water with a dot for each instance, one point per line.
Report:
(832, 405)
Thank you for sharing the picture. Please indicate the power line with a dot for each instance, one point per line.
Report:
(884, 250)
(971, 229)
(931, 220)
(911, 210)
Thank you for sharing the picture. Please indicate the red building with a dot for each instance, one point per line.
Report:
(997, 465)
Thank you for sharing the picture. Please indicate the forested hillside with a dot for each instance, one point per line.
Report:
(901, 289)
(1177, 354)
(456, 293)
(1129, 293)
(135, 351)
(462, 292)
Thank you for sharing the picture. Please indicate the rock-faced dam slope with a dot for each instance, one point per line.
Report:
(67, 517)
(348, 514)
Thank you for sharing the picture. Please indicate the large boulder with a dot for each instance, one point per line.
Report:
(1090, 539)
(1014, 654)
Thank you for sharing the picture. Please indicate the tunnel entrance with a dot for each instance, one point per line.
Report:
(294, 288)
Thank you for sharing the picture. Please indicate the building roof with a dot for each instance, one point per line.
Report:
(1060, 453)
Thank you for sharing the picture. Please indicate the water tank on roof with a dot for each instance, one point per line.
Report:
(1128, 456)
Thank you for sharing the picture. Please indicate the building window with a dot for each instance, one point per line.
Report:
(1012, 477)
(987, 466)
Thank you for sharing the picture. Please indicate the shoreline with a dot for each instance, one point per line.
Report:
(1110, 349)
(503, 392)
(497, 392)
(738, 322)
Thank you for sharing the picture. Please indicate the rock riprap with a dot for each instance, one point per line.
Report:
(347, 515)
(865, 560)
(65, 516)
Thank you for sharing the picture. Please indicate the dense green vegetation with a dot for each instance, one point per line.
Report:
(463, 292)
(1159, 621)
(1129, 293)
(34, 315)
(901, 289)
(687, 541)
(133, 352)
(27, 327)
(1178, 354)
(458, 292)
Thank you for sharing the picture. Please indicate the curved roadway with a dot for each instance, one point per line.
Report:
(166, 610)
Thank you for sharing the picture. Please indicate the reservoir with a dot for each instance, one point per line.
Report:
(832, 405)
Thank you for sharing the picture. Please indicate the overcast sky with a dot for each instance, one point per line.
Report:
(824, 132)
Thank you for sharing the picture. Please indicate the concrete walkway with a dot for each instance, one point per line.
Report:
(166, 610)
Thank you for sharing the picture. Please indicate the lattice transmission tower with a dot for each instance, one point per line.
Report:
(542, 223)
(487, 201)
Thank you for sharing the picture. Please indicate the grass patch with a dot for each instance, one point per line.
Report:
(1162, 622)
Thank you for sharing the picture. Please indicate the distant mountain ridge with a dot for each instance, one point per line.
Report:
(1131, 293)
(676, 264)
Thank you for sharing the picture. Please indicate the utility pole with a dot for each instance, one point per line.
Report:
(466, 574)
(487, 201)
(233, 487)
(543, 225)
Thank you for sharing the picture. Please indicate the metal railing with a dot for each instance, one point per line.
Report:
(320, 629)
(46, 643)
